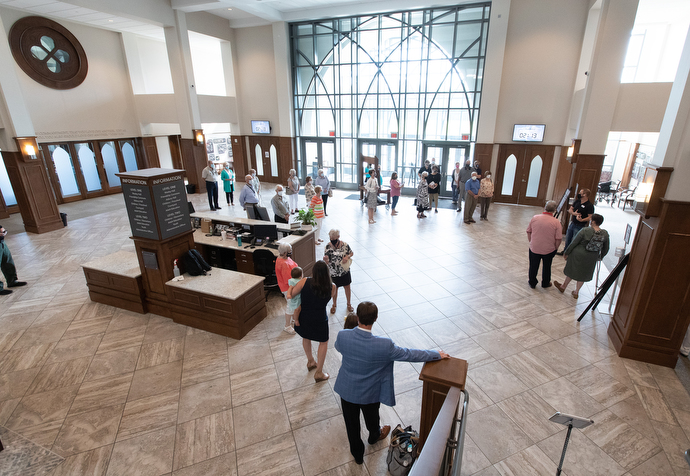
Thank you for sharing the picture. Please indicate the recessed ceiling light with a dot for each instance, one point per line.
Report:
(230, 9)
(110, 21)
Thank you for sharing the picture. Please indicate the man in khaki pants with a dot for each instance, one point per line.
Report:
(471, 191)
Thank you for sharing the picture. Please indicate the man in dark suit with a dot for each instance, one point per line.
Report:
(365, 379)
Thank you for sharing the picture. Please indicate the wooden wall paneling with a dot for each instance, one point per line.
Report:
(629, 164)
(148, 153)
(563, 174)
(4, 212)
(176, 152)
(239, 157)
(484, 153)
(35, 197)
(653, 309)
(587, 171)
(194, 159)
(286, 158)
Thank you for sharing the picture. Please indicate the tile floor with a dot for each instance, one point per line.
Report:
(102, 391)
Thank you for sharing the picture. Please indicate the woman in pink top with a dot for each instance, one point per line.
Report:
(396, 187)
(284, 265)
(319, 212)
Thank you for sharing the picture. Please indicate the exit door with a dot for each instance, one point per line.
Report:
(385, 150)
(522, 174)
(445, 156)
(319, 154)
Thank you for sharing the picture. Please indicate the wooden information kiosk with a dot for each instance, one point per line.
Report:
(224, 302)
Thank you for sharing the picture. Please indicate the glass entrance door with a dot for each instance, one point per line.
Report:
(319, 154)
(445, 156)
(387, 153)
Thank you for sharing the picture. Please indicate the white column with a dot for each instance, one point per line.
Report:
(604, 76)
(673, 146)
(493, 71)
(14, 114)
(180, 57)
(281, 54)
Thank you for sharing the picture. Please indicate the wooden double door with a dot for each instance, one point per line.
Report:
(522, 174)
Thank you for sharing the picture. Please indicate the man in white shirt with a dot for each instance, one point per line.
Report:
(209, 175)
(248, 197)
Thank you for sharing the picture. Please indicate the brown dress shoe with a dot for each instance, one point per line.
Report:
(384, 432)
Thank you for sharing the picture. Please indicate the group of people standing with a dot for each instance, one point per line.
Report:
(586, 243)
(365, 379)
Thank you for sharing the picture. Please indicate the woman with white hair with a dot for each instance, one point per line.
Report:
(325, 184)
(284, 265)
(338, 257)
(422, 196)
(292, 190)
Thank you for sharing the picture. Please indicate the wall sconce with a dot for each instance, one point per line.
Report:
(199, 137)
(571, 151)
(28, 148)
(30, 151)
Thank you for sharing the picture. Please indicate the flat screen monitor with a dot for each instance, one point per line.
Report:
(266, 231)
(528, 132)
(261, 127)
(258, 213)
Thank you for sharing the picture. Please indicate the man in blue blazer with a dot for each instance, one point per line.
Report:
(365, 379)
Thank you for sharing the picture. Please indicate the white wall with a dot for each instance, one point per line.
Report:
(256, 85)
(641, 107)
(541, 58)
(101, 107)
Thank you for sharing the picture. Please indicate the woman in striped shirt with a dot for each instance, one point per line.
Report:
(317, 205)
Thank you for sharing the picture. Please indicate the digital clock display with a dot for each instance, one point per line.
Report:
(528, 132)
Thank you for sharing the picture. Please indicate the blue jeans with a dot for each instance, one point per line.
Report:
(573, 230)
(455, 192)
(395, 201)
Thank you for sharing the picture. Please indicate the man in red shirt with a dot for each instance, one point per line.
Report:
(544, 234)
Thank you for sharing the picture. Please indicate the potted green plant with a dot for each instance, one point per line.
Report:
(306, 218)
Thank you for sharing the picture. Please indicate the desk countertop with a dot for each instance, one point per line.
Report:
(123, 263)
(231, 244)
(239, 220)
(218, 283)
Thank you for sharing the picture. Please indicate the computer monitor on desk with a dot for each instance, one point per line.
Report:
(261, 211)
(266, 231)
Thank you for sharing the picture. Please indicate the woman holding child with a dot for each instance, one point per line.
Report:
(284, 265)
(312, 322)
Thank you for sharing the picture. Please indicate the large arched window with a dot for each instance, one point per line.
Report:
(406, 76)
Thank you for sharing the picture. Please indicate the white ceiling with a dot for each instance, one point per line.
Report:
(239, 13)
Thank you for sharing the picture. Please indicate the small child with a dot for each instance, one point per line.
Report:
(294, 305)
(351, 321)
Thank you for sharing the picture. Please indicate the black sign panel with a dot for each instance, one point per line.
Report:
(171, 205)
(139, 209)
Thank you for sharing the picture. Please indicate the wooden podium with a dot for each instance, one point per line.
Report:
(438, 377)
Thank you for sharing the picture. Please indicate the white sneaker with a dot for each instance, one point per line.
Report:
(290, 330)
(685, 351)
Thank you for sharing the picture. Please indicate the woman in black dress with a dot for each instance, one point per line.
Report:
(312, 324)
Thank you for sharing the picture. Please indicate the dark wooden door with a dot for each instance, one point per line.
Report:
(522, 174)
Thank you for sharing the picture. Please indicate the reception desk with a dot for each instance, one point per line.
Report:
(227, 255)
(116, 280)
(223, 302)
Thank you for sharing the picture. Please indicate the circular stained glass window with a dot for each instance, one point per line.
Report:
(48, 52)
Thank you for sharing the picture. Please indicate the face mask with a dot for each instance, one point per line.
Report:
(334, 242)
(488, 176)
(253, 175)
(321, 175)
(280, 193)
(474, 178)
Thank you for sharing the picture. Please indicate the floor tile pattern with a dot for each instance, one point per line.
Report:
(88, 389)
